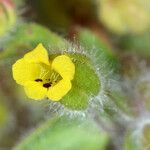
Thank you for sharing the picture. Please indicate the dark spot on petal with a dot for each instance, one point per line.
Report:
(47, 85)
(38, 80)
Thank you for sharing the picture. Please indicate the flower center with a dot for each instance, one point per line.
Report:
(38, 80)
(47, 85)
(48, 78)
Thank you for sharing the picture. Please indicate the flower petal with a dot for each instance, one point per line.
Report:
(56, 92)
(35, 90)
(38, 55)
(64, 66)
(23, 72)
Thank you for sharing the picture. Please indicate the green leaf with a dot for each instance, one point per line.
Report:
(101, 54)
(28, 36)
(138, 44)
(3, 114)
(65, 134)
(146, 137)
(129, 143)
(133, 140)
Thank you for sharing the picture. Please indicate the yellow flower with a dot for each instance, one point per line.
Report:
(44, 78)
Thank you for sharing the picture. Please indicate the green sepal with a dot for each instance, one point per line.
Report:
(84, 85)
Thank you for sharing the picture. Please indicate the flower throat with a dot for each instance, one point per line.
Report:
(50, 78)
